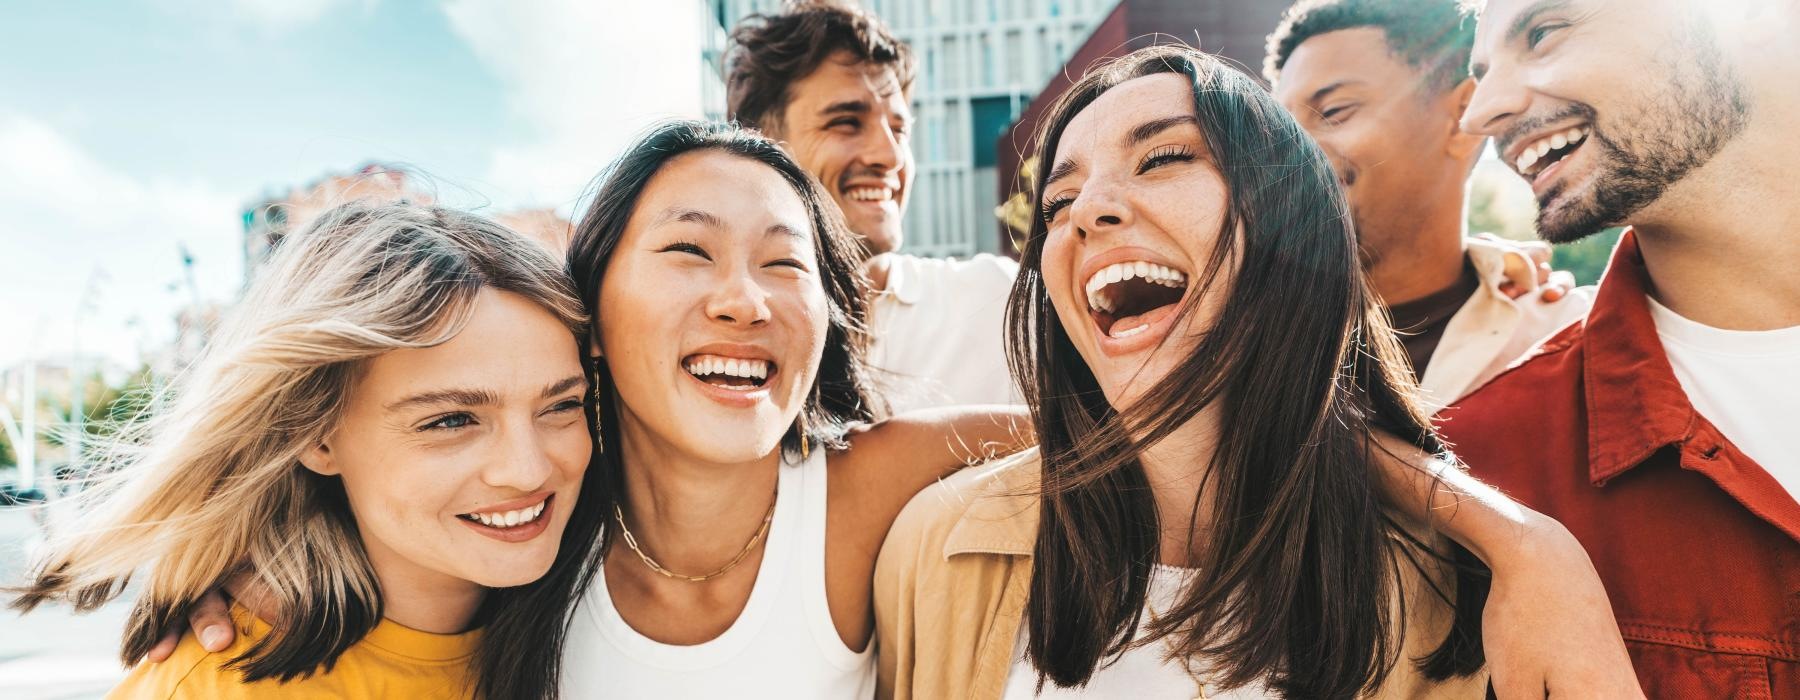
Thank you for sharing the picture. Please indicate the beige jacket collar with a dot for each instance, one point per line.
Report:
(1003, 519)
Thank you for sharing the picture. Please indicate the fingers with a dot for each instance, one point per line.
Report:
(164, 648)
(1558, 286)
(210, 618)
(1542, 268)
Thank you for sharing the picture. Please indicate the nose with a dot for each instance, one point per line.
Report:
(1500, 97)
(523, 465)
(883, 148)
(1101, 207)
(738, 300)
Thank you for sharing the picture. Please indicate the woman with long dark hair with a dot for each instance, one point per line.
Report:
(749, 474)
(1219, 403)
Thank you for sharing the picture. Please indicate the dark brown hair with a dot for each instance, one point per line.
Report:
(1299, 558)
(771, 52)
(841, 395)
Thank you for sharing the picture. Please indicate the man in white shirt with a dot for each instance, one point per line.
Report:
(833, 85)
(1381, 84)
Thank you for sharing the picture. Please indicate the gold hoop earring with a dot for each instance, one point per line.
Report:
(805, 449)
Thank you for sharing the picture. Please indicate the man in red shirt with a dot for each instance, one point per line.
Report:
(1661, 430)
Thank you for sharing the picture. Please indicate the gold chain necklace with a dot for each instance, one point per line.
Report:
(630, 541)
(1187, 664)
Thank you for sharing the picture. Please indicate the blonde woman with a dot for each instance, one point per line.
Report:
(387, 436)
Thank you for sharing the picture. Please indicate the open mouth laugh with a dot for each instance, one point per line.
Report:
(1126, 299)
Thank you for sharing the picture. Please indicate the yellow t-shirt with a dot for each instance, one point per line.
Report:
(393, 661)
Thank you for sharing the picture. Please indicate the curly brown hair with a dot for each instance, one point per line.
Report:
(771, 52)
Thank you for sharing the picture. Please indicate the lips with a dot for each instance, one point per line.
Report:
(518, 520)
(1132, 296)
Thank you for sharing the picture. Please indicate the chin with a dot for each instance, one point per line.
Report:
(509, 572)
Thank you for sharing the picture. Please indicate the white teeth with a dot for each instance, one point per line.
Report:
(870, 194)
(511, 518)
(1533, 153)
(1119, 272)
(1127, 333)
(734, 367)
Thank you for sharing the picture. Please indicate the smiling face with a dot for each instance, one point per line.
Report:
(1602, 105)
(712, 316)
(1390, 134)
(848, 123)
(1134, 208)
(461, 461)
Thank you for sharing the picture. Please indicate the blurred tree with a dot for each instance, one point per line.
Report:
(6, 452)
(1587, 258)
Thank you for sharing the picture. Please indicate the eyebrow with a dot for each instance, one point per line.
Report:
(1321, 93)
(1137, 135)
(1519, 25)
(690, 216)
(847, 107)
(478, 397)
(1148, 130)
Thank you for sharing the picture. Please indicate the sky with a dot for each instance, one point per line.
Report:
(130, 131)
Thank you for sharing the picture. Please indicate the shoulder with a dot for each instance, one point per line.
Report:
(1553, 366)
(190, 672)
(983, 270)
(995, 501)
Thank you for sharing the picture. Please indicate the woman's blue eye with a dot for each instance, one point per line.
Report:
(450, 422)
(569, 405)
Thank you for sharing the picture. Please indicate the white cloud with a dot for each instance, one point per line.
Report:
(584, 77)
(285, 14)
(66, 218)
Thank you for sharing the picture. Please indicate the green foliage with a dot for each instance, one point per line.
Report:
(1587, 258)
(6, 452)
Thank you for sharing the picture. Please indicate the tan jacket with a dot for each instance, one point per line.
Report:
(953, 576)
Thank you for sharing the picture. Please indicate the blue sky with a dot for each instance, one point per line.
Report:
(128, 129)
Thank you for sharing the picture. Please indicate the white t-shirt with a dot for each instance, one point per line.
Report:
(939, 332)
(1142, 672)
(1747, 383)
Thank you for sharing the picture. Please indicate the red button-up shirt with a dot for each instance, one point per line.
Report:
(1699, 547)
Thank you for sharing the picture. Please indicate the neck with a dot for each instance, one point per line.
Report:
(422, 598)
(1422, 262)
(691, 515)
(1720, 246)
(1177, 470)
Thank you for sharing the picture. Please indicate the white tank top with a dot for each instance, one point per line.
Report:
(783, 645)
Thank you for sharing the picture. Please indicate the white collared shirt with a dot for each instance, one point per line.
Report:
(1491, 331)
(939, 332)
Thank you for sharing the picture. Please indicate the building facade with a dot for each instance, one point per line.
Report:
(980, 63)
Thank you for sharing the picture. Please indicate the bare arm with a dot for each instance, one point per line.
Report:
(1548, 626)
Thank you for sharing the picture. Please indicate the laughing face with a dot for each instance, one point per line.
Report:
(850, 126)
(1599, 148)
(1134, 208)
(461, 461)
(712, 315)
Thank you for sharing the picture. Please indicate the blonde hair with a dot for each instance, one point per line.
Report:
(212, 485)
